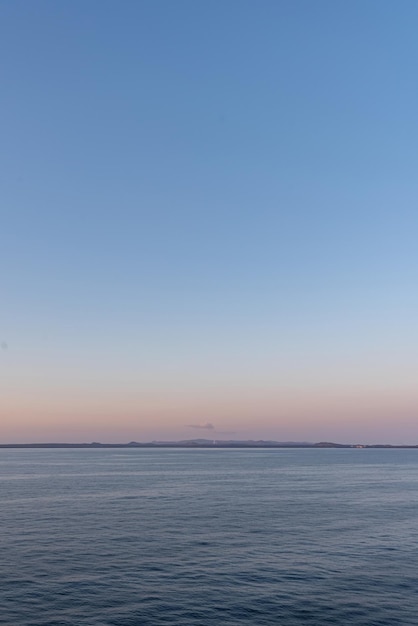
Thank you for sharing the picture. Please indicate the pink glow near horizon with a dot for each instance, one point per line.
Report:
(302, 415)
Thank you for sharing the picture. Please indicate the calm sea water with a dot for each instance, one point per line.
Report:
(208, 537)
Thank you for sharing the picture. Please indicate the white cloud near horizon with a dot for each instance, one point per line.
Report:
(206, 426)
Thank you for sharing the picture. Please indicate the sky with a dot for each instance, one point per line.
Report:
(208, 220)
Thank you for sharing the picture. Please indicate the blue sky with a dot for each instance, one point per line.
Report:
(207, 204)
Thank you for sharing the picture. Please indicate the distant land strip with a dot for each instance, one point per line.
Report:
(204, 443)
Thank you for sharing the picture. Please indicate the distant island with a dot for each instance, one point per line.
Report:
(205, 443)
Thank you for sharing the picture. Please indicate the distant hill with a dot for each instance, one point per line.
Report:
(199, 442)
(184, 443)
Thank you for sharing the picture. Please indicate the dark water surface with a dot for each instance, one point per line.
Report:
(207, 537)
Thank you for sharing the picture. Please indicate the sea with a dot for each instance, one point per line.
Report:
(205, 537)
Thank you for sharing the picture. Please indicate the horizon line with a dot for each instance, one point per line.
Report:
(205, 443)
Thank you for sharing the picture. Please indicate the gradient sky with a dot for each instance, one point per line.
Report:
(209, 216)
